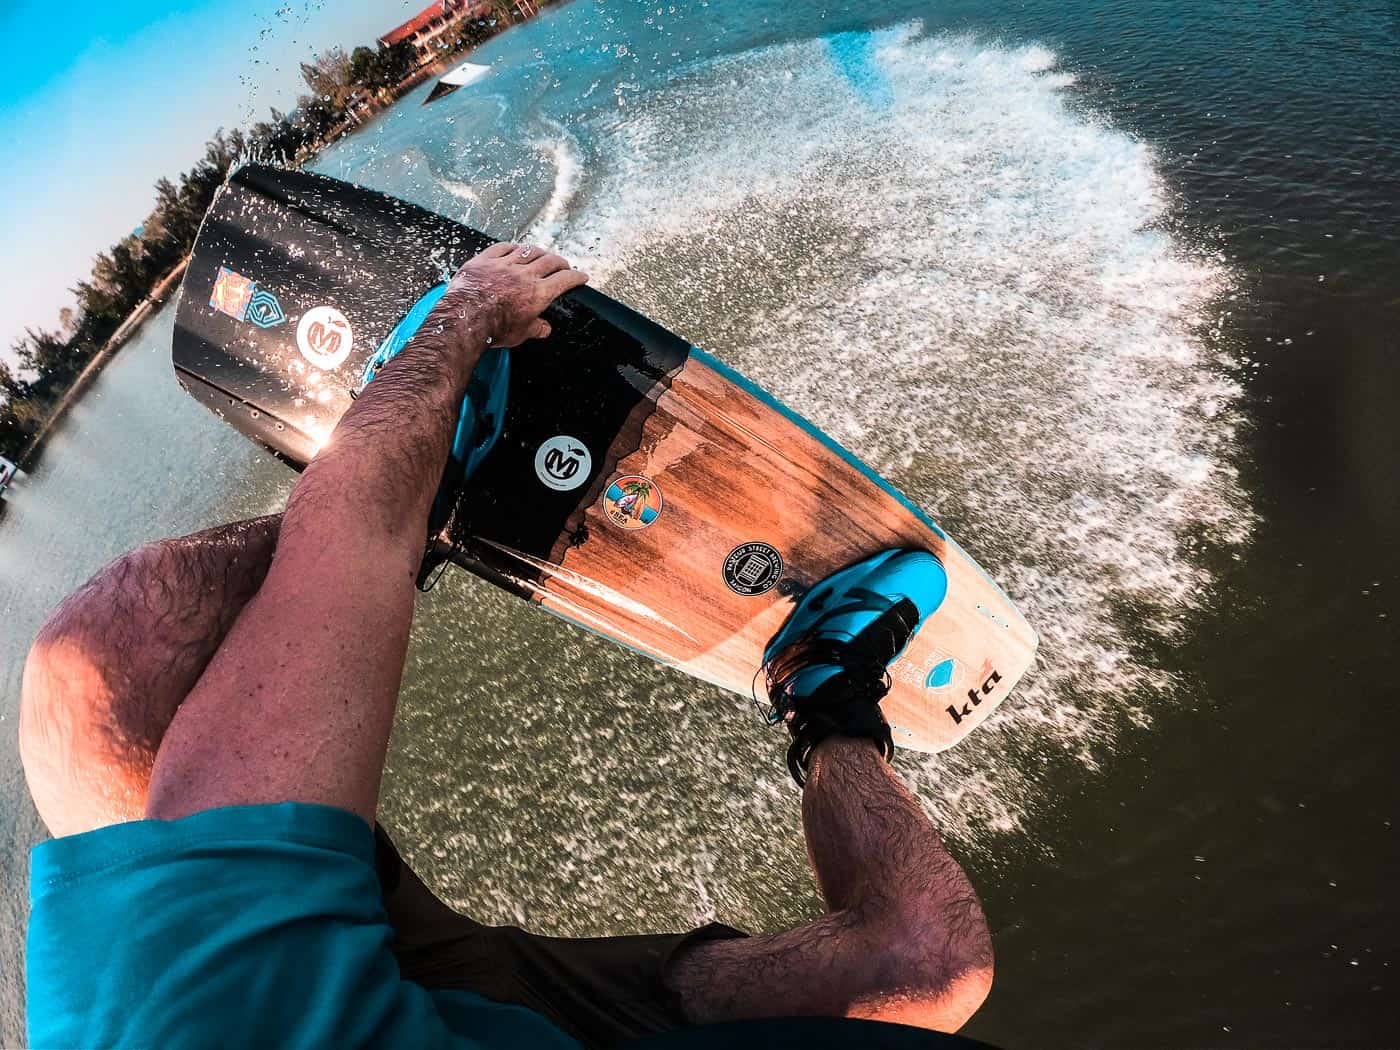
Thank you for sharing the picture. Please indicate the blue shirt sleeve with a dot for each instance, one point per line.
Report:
(245, 926)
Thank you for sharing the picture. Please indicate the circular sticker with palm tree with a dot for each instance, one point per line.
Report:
(632, 502)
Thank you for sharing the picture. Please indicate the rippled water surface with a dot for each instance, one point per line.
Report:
(1108, 288)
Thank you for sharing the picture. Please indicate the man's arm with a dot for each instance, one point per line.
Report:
(298, 702)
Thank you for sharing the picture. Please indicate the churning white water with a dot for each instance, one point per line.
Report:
(924, 246)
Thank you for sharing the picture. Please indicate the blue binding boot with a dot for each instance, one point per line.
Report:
(827, 667)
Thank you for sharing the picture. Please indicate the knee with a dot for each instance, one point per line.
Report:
(935, 965)
(70, 762)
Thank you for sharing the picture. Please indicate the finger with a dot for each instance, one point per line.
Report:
(564, 281)
(548, 264)
(527, 253)
(540, 329)
(499, 250)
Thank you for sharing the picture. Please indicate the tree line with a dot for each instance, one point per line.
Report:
(341, 89)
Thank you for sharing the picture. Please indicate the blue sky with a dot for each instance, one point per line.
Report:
(98, 100)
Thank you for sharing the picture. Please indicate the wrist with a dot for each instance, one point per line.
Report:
(460, 328)
(473, 312)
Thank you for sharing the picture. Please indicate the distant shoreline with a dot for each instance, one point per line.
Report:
(124, 331)
(161, 291)
(359, 98)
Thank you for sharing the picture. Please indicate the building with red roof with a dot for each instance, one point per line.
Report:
(426, 29)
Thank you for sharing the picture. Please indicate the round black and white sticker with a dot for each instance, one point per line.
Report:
(563, 463)
(753, 568)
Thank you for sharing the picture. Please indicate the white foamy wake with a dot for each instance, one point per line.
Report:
(561, 151)
(463, 191)
(978, 291)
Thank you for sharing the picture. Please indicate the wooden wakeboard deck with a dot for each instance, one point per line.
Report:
(731, 470)
(638, 487)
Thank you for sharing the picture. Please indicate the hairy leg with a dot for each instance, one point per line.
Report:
(905, 939)
(114, 661)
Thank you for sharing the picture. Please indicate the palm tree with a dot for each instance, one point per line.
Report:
(640, 489)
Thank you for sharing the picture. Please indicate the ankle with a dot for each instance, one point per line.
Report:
(844, 752)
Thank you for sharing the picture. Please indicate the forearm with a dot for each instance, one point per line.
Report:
(378, 474)
(297, 703)
(314, 660)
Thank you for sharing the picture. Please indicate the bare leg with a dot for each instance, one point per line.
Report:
(114, 661)
(905, 939)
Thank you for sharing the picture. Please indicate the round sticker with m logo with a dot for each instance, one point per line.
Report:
(563, 463)
(324, 337)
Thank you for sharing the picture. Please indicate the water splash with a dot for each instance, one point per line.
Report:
(562, 151)
(975, 286)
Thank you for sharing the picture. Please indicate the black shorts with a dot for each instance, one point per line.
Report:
(600, 990)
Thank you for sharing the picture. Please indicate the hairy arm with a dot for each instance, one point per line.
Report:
(297, 703)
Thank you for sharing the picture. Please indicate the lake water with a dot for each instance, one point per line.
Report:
(1112, 289)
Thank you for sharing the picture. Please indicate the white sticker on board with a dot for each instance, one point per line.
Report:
(563, 463)
(324, 337)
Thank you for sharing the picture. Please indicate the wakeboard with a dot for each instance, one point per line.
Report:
(624, 479)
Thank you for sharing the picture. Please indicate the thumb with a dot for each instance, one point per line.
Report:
(540, 329)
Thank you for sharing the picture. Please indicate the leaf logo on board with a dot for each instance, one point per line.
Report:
(324, 337)
(940, 675)
(563, 463)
